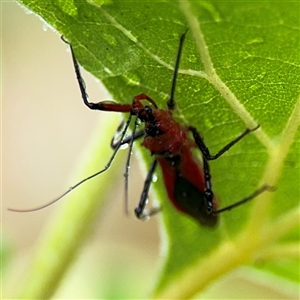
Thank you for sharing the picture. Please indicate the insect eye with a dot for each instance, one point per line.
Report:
(146, 114)
(148, 110)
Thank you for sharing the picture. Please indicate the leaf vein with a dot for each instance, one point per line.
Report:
(215, 80)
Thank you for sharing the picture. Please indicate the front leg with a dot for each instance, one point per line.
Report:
(140, 209)
(116, 138)
(103, 105)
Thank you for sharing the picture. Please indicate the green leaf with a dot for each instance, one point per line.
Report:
(239, 68)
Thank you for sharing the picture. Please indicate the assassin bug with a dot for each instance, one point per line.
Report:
(187, 181)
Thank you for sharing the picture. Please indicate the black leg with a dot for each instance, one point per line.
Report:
(80, 80)
(205, 151)
(140, 209)
(103, 105)
(116, 139)
(209, 195)
(246, 199)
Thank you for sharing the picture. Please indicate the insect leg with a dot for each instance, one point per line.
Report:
(208, 193)
(116, 142)
(116, 139)
(205, 151)
(126, 140)
(140, 209)
(246, 199)
(103, 105)
(209, 196)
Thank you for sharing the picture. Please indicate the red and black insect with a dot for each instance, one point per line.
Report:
(187, 181)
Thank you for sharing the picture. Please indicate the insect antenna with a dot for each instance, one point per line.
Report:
(85, 179)
(126, 174)
(171, 101)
